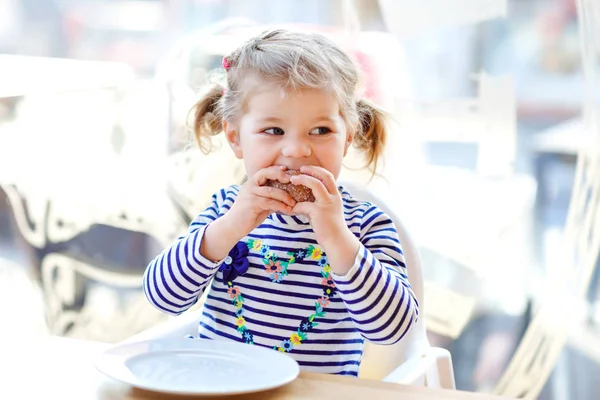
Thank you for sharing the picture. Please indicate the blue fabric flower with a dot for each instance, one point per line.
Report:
(329, 291)
(300, 254)
(287, 345)
(264, 250)
(248, 337)
(239, 312)
(305, 325)
(236, 263)
(276, 277)
(323, 261)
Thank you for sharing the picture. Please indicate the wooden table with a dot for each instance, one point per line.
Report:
(58, 368)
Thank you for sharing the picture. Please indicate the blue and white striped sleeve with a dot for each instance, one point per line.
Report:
(176, 278)
(376, 290)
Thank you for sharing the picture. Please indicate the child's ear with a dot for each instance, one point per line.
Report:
(349, 139)
(233, 138)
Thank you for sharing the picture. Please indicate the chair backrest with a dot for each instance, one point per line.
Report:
(378, 361)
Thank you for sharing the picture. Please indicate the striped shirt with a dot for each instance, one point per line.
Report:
(276, 288)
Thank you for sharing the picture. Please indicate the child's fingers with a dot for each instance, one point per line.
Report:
(274, 193)
(323, 175)
(274, 172)
(317, 187)
(303, 208)
(274, 205)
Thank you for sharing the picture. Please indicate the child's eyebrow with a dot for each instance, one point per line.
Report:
(270, 119)
(326, 118)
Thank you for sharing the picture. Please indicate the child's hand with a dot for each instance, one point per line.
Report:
(326, 216)
(253, 204)
(326, 212)
(256, 202)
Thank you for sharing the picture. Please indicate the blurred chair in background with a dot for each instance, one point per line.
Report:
(562, 306)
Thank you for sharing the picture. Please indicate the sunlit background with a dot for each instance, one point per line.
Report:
(493, 102)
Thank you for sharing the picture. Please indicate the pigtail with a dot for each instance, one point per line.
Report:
(372, 132)
(207, 117)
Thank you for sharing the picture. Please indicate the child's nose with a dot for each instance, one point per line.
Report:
(296, 147)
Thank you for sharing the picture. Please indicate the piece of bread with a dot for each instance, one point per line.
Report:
(299, 193)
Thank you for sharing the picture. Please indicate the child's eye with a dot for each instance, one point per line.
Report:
(274, 131)
(322, 130)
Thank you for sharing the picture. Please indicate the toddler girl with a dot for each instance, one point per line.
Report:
(312, 279)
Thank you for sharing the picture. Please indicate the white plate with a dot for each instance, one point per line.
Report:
(197, 366)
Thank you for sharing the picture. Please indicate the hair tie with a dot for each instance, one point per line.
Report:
(225, 63)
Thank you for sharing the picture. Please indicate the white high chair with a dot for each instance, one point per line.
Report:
(412, 361)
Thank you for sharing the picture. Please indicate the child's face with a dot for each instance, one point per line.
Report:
(289, 128)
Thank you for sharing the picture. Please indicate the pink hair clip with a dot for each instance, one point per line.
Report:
(226, 64)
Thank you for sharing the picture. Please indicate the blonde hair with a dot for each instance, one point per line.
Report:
(294, 61)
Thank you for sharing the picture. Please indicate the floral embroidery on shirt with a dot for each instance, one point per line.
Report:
(236, 264)
(315, 252)
(277, 268)
(307, 324)
(238, 300)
